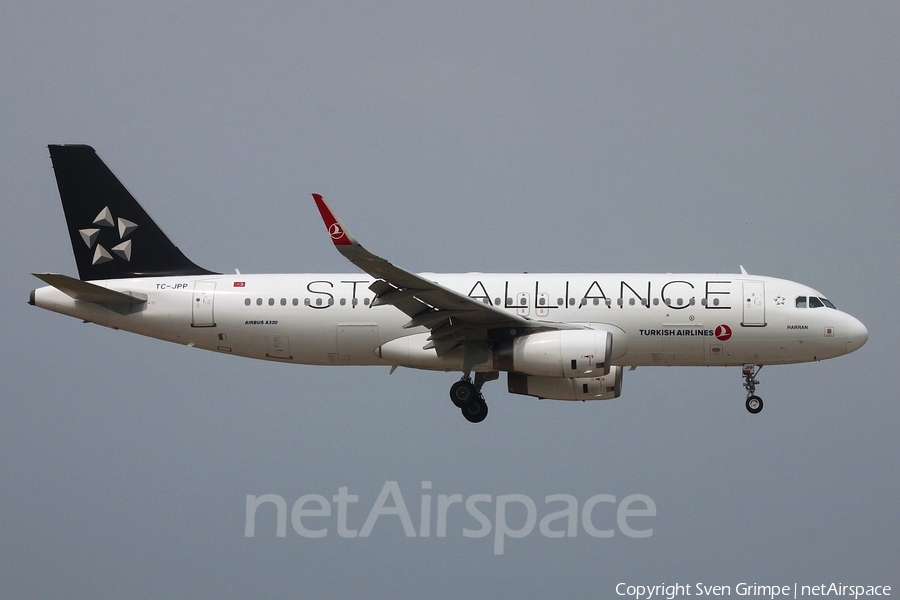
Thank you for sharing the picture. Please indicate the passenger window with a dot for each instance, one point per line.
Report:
(295, 302)
(247, 302)
(801, 301)
(259, 301)
(284, 301)
(271, 301)
(343, 301)
(366, 301)
(815, 302)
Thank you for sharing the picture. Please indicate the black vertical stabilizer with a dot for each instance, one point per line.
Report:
(112, 236)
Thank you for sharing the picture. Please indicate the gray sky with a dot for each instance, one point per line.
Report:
(473, 137)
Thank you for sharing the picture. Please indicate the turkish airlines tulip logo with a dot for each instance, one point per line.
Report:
(723, 333)
(335, 231)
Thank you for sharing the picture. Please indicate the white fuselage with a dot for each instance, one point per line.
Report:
(322, 319)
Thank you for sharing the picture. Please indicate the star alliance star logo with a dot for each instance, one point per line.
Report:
(124, 228)
(779, 300)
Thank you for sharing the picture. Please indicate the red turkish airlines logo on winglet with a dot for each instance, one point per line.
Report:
(331, 223)
(723, 333)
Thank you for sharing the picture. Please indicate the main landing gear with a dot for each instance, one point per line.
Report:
(466, 396)
(754, 403)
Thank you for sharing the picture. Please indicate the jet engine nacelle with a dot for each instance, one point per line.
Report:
(606, 387)
(569, 353)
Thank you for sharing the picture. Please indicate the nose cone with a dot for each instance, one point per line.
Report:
(857, 334)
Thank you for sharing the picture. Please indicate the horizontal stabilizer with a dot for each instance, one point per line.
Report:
(89, 292)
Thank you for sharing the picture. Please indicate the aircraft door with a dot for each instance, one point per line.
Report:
(202, 304)
(754, 304)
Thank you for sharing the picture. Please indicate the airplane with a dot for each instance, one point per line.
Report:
(556, 336)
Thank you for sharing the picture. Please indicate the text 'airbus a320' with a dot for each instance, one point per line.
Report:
(557, 336)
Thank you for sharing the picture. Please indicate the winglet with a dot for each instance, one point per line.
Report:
(339, 234)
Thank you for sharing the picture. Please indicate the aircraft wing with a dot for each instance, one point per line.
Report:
(453, 318)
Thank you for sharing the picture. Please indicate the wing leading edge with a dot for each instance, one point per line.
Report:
(453, 318)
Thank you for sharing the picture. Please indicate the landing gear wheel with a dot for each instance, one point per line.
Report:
(463, 393)
(475, 412)
(754, 404)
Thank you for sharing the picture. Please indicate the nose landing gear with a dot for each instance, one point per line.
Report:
(754, 403)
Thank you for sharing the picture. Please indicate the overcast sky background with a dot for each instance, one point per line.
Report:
(473, 137)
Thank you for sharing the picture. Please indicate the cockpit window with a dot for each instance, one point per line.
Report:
(814, 302)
